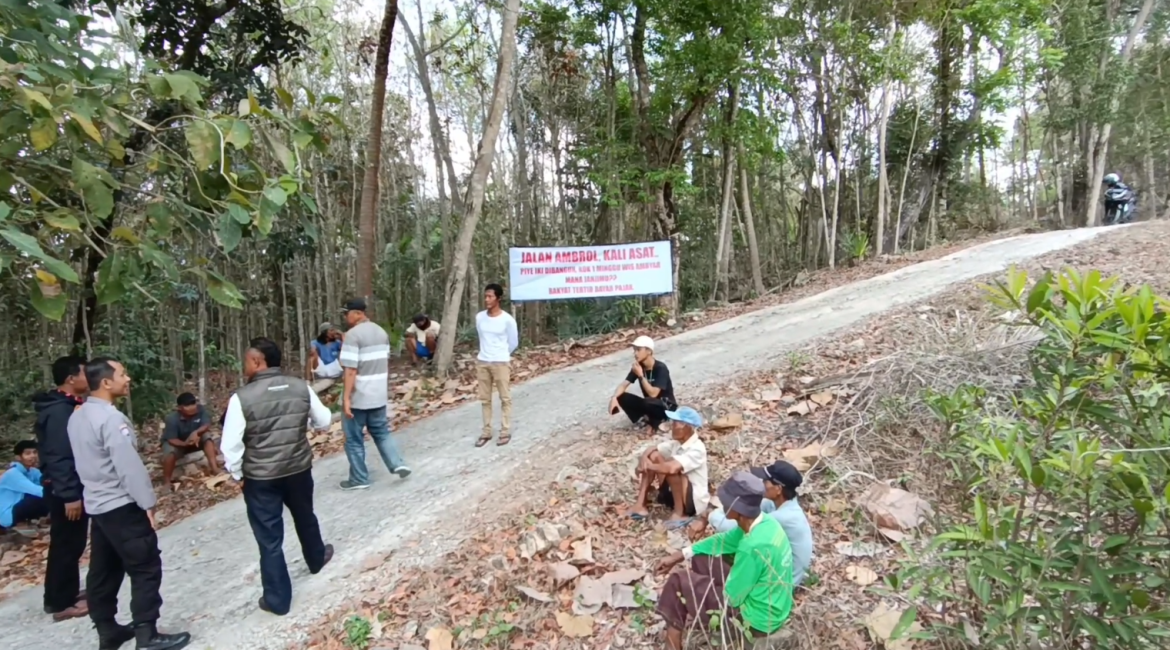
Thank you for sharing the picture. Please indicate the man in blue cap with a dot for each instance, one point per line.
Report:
(679, 467)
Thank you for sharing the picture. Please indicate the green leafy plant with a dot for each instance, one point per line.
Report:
(856, 245)
(357, 632)
(1063, 539)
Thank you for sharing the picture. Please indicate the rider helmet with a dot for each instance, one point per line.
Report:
(1112, 179)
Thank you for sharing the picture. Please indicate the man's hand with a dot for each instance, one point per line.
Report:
(73, 510)
(345, 408)
(668, 562)
(637, 370)
(613, 406)
(150, 516)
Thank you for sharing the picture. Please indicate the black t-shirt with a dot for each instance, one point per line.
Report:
(659, 378)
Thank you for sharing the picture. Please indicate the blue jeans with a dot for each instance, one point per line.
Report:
(422, 350)
(373, 420)
(265, 502)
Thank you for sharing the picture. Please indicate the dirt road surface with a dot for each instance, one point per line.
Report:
(212, 578)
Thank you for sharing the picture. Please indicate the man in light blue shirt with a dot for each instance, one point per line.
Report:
(21, 494)
(780, 481)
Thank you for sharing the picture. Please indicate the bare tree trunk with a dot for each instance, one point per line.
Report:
(473, 204)
(883, 201)
(722, 255)
(745, 200)
(368, 212)
(1100, 147)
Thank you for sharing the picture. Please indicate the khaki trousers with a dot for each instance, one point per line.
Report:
(498, 375)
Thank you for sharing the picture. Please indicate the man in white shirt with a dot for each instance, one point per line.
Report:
(422, 338)
(266, 445)
(498, 339)
(679, 466)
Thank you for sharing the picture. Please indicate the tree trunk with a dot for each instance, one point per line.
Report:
(745, 200)
(1101, 145)
(368, 212)
(723, 246)
(473, 203)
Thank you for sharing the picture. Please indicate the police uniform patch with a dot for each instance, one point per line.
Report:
(125, 430)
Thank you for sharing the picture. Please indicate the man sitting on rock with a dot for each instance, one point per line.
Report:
(653, 379)
(780, 482)
(755, 587)
(679, 467)
(21, 494)
(187, 430)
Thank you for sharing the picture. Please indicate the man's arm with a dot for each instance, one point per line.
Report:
(310, 363)
(649, 389)
(232, 442)
(720, 522)
(716, 545)
(18, 482)
(513, 335)
(350, 357)
(57, 454)
(319, 414)
(743, 577)
(117, 438)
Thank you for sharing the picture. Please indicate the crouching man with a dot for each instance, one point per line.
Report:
(754, 588)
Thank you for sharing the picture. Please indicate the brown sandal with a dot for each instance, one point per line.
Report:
(483, 440)
(505, 438)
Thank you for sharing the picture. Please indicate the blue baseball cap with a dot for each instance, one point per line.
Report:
(686, 415)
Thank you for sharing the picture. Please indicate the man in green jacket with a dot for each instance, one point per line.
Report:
(753, 586)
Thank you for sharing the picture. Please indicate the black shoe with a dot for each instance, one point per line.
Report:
(114, 636)
(265, 608)
(149, 638)
(328, 556)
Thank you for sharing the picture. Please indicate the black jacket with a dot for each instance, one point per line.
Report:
(53, 411)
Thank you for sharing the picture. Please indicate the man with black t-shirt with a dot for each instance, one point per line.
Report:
(653, 378)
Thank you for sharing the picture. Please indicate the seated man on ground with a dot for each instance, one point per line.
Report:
(186, 430)
(780, 482)
(653, 379)
(754, 587)
(21, 494)
(679, 467)
(422, 338)
(324, 366)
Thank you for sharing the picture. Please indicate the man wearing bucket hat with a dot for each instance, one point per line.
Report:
(679, 467)
(653, 379)
(780, 502)
(756, 587)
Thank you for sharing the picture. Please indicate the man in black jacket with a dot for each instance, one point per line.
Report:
(69, 525)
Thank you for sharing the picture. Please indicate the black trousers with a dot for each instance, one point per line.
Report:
(124, 544)
(66, 546)
(265, 501)
(636, 407)
(29, 508)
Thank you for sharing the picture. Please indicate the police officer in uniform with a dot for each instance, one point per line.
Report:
(120, 500)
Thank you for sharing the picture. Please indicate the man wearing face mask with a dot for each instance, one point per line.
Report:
(653, 380)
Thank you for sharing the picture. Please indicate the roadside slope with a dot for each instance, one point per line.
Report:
(212, 581)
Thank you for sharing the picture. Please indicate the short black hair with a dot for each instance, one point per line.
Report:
(267, 349)
(420, 318)
(496, 289)
(186, 399)
(97, 370)
(23, 446)
(67, 367)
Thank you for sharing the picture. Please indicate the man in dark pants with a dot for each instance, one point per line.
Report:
(653, 379)
(120, 500)
(266, 445)
(68, 523)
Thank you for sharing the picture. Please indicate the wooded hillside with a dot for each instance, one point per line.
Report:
(182, 175)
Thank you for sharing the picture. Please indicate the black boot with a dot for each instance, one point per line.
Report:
(112, 636)
(149, 638)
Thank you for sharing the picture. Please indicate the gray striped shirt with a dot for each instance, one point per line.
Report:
(367, 348)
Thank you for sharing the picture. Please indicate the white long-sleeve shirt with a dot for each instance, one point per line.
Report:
(498, 337)
(234, 424)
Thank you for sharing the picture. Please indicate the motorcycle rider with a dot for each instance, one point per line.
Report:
(1118, 195)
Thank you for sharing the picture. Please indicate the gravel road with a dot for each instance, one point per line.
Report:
(212, 579)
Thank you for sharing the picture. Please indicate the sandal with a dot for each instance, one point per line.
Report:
(505, 438)
(483, 440)
(678, 524)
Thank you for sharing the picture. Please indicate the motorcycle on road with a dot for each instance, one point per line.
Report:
(1119, 205)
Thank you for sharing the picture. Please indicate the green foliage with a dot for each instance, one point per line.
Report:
(358, 632)
(581, 318)
(1064, 540)
(85, 166)
(855, 244)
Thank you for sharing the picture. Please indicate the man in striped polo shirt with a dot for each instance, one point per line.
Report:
(365, 355)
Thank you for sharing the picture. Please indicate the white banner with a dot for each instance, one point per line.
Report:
(589, 271)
